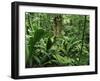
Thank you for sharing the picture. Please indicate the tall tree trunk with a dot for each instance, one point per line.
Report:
(82, 44)
(57, 29)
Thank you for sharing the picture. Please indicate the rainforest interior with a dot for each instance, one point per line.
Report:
(53, 40)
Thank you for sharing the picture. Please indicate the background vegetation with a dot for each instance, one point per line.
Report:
(56, 40)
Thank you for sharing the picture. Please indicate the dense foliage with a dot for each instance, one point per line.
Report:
(56, 40)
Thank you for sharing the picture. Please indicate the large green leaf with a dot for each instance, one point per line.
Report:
(72, 45)
(63, 59)
(34, 39)
(50, 42)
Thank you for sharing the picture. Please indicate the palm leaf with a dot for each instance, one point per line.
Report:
(33, 40)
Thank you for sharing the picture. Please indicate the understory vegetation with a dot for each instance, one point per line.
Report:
(56, 40)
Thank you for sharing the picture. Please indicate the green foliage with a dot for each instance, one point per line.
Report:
(63, 60)
(56, 40)
(33, 40)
